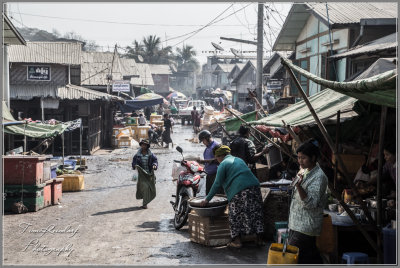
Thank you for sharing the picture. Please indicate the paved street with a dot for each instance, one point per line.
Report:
(104, 224)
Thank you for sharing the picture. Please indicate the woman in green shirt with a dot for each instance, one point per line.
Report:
(308, 201)
(243, 192)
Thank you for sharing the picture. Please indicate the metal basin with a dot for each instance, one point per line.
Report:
(210, 211)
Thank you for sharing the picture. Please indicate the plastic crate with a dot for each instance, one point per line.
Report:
(389, 245)
(32, 196)
(72, 182)
(47, 193)
(56, 191)
(26, 170)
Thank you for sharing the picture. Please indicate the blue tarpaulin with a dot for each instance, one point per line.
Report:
(140, 102)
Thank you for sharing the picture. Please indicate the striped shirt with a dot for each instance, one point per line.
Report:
(145, 161)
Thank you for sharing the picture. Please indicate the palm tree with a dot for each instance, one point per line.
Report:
(135, 50)
(185, 57)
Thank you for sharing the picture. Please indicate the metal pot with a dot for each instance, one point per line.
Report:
(209, 212)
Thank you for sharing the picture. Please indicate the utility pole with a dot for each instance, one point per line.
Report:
(260, 31)
(109, 77)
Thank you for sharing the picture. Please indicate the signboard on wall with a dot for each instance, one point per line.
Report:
(121, 85)
(38, 73)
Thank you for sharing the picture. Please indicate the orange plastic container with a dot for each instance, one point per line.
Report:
(47, 193)
(56, 191)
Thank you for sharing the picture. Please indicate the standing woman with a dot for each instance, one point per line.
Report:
(166, 135)
(308, 200)
(244, 195)
(145, 162)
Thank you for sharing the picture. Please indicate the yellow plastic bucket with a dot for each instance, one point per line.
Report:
(276, 256)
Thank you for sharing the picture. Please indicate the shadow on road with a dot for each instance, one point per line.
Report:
(118, 211)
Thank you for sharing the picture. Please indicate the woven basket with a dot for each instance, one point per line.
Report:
(276, 208)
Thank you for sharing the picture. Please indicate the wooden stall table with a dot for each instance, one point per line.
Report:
(348, 238)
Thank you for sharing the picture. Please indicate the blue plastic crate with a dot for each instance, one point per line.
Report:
(70, 162)
(389, 245)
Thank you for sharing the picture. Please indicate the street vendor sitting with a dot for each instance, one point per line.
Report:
(244, 195)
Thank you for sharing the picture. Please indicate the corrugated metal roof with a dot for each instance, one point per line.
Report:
(227, 68)
(381, 44)
(47, 52)
(67, 92)
(160, 69)
(129, 67)
(353, 12)
(378, 67)
(11, 36)
(339, 13)
(96, 66)
(145, 78)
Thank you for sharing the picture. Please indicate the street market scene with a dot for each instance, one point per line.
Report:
(265, 136)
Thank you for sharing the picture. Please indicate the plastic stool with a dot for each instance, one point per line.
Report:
(355, 257)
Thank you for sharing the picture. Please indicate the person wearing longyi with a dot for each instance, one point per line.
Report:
(243, 192)
(308, 200)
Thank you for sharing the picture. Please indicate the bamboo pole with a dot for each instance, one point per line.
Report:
(337, 156)
(224, 130)
(263, 135)
(379, 181)
(257, 102)
(291, 132)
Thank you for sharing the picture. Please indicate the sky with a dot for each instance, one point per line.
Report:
(177, 24)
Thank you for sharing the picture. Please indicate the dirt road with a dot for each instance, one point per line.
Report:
(104, 224)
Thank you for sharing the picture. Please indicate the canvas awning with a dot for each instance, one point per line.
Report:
(34, 130)
(233, 124)
(325, 103)
(379, 89)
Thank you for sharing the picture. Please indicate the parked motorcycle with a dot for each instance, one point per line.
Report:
(187, 187)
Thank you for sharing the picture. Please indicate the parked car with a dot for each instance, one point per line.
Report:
(185, 113)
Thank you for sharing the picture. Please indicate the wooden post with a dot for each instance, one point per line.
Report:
(257, 102)
(337, 156)
(379, 181)
(337, 148)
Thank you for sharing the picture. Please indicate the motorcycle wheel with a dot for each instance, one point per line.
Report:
(181, 218)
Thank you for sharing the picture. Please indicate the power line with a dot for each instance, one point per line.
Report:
(205, 26)
(123, 23)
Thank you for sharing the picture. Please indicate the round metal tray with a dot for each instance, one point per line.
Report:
(209, 212)
(217, 200)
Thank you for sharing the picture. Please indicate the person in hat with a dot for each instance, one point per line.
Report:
(210, 163)
(244, 195)
(145, 162)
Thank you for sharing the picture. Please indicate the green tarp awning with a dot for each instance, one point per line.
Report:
(379, 89)
(325, 103)
(34, 130)
(233, 124)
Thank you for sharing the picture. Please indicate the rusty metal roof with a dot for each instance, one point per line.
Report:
(385, 44)
(225, 67)
(145, 78)
(67, 92)
(129, 67)
(97, 65)
(340, 13)
(68, 53)
(160, 69)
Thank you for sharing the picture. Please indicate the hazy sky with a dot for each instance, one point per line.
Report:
(121, 23)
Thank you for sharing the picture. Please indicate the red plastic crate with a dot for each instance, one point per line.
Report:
(23, 169)
(47, 193)
(56, 191)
